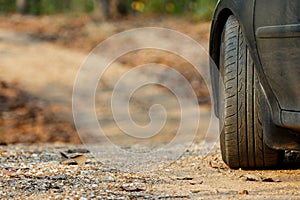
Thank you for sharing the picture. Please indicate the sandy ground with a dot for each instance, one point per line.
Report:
(48, 71)
(40, 172)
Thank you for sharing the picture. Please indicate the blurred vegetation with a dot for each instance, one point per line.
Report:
(7, 6)
(201, 9)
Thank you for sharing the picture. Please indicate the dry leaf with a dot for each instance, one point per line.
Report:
(75, 160)
(64, 155)
(80, 159)
(195, 183)
(69, 162)
(196, 191)
(253, 177)
(79, 150)
(218, 165)
(270, 180)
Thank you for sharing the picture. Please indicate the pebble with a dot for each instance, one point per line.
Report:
(35, 155)
(109, 178)
(26, 178)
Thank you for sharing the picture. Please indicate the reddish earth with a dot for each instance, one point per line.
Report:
(27, 119)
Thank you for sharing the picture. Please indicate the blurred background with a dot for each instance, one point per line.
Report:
(44, 42)
(199, 9)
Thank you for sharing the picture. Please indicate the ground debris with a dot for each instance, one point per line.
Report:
(258, 178)
(130, 188)
(244, 192)
(25, 118)
(34, 172)
(196, 191)
(216, 162)
(75, 160)
(78, 150)
(109, 179)
(174, 197)
(184, 178)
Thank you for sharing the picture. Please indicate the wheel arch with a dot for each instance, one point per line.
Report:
(216, 32)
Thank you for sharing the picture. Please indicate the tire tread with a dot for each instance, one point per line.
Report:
(242, 142)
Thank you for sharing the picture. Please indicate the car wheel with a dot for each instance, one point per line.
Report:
(242, 143)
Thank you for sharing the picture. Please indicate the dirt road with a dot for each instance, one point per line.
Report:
(40, 68)
(48, 71)
(39, 171)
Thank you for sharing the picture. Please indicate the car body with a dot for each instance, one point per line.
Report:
(271, 30)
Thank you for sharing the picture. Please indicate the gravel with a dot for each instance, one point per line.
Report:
(40, 172)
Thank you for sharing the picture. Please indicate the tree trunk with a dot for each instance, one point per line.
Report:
(22, 6)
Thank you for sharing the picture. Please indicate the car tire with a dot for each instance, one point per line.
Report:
(241, 139)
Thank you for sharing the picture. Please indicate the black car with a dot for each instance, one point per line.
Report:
(256, 47)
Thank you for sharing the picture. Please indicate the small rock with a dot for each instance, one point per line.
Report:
(245, 192)
(109, 178)
(58, 177)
